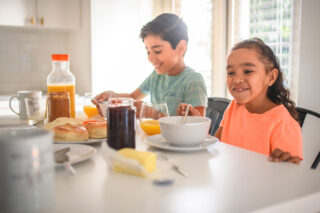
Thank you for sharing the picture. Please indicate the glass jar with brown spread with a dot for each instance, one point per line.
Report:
(58, 105)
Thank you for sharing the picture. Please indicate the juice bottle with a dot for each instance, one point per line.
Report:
(62, 80)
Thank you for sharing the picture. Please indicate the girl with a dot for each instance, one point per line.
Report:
(261, 117)
(165, 39)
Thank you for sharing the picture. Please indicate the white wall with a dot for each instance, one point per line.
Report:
(119, 59)
(25, 57)
(25, 54)
(309, 74)
(80, 50)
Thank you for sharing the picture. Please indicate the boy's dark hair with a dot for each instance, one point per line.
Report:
(277, 93)
(168, 26)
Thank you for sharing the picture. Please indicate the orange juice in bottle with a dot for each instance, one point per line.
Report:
(62, 80)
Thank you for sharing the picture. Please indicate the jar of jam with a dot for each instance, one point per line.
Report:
(121, 116)
(58, 105)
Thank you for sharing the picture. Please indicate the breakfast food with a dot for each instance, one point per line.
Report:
(63, 121)
(70, 133)
(96, 129)
(75, 129)
(147, 160)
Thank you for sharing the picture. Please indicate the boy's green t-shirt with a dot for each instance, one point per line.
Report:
(187, 87)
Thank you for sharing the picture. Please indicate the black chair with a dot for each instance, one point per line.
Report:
(214, 111)
(302, 113)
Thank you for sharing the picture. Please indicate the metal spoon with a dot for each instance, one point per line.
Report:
(174, 166)
(186, 114)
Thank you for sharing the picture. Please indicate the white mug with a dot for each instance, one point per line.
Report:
(22, 105)
(27, 170)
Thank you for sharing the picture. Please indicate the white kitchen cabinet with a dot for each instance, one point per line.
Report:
(58, 14)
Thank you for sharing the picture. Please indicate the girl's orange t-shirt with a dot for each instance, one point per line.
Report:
(261, 133)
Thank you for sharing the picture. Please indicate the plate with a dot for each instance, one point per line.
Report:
(161, 143)
(78, 152)
(90, 141)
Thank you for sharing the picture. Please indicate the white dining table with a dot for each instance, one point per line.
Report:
(227, 179)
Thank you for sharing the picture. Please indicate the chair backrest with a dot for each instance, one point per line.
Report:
(302, 113)
(214, 111)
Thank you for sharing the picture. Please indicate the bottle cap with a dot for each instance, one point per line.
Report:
(60, 57)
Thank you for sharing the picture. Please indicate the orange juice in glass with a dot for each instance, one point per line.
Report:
(150, 127)
(65, 88)
(88, 107)
(149, 115)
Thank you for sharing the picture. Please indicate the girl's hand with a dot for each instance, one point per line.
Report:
(192, 111)
(278, 156)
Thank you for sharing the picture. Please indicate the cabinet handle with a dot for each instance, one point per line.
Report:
(42, 21)
(32, 20)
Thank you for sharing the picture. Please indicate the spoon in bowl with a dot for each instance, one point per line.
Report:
(186, 114)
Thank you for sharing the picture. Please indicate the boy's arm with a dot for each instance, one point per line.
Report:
(137, 95)
(201, 110)
(193, 111)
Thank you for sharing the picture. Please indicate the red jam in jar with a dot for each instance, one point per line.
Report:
(121, 116)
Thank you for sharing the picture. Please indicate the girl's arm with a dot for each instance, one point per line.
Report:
(218, 133)
(278, 155)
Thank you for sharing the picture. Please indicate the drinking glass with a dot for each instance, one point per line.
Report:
(35, 110)
(149, 117)
(88, 107)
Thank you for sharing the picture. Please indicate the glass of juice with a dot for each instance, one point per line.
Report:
(88, 107)
(149, 117)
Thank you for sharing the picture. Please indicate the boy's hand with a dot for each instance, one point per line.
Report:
(192, 111)
(138, 104)
(278, 156)
(101, 98)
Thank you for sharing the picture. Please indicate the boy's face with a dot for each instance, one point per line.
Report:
(247, 78)
(162, 56)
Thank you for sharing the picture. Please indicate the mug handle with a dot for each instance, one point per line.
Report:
(11, 98)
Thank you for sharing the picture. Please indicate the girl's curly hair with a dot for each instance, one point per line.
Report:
(277, 93)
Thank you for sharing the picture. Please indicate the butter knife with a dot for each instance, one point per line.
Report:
(174, 166)
(61, 157)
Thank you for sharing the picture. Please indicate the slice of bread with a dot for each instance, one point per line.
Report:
(68, 132)
(63, 121)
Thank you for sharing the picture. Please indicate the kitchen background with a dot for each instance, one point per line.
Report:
(101, 37)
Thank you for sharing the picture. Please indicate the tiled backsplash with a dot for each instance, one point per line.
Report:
(25, 57)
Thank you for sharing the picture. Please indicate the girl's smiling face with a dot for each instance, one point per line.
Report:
(247, 78)
(163, 57)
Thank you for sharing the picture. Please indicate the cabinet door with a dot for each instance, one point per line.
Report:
(17, 12)
(63, 14)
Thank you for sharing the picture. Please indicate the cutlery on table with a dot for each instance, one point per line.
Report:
(161, 156)
(316, 162)
(186, 114)
(64, 150)
(60, 156)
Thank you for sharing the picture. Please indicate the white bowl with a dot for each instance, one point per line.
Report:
(194, 131)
